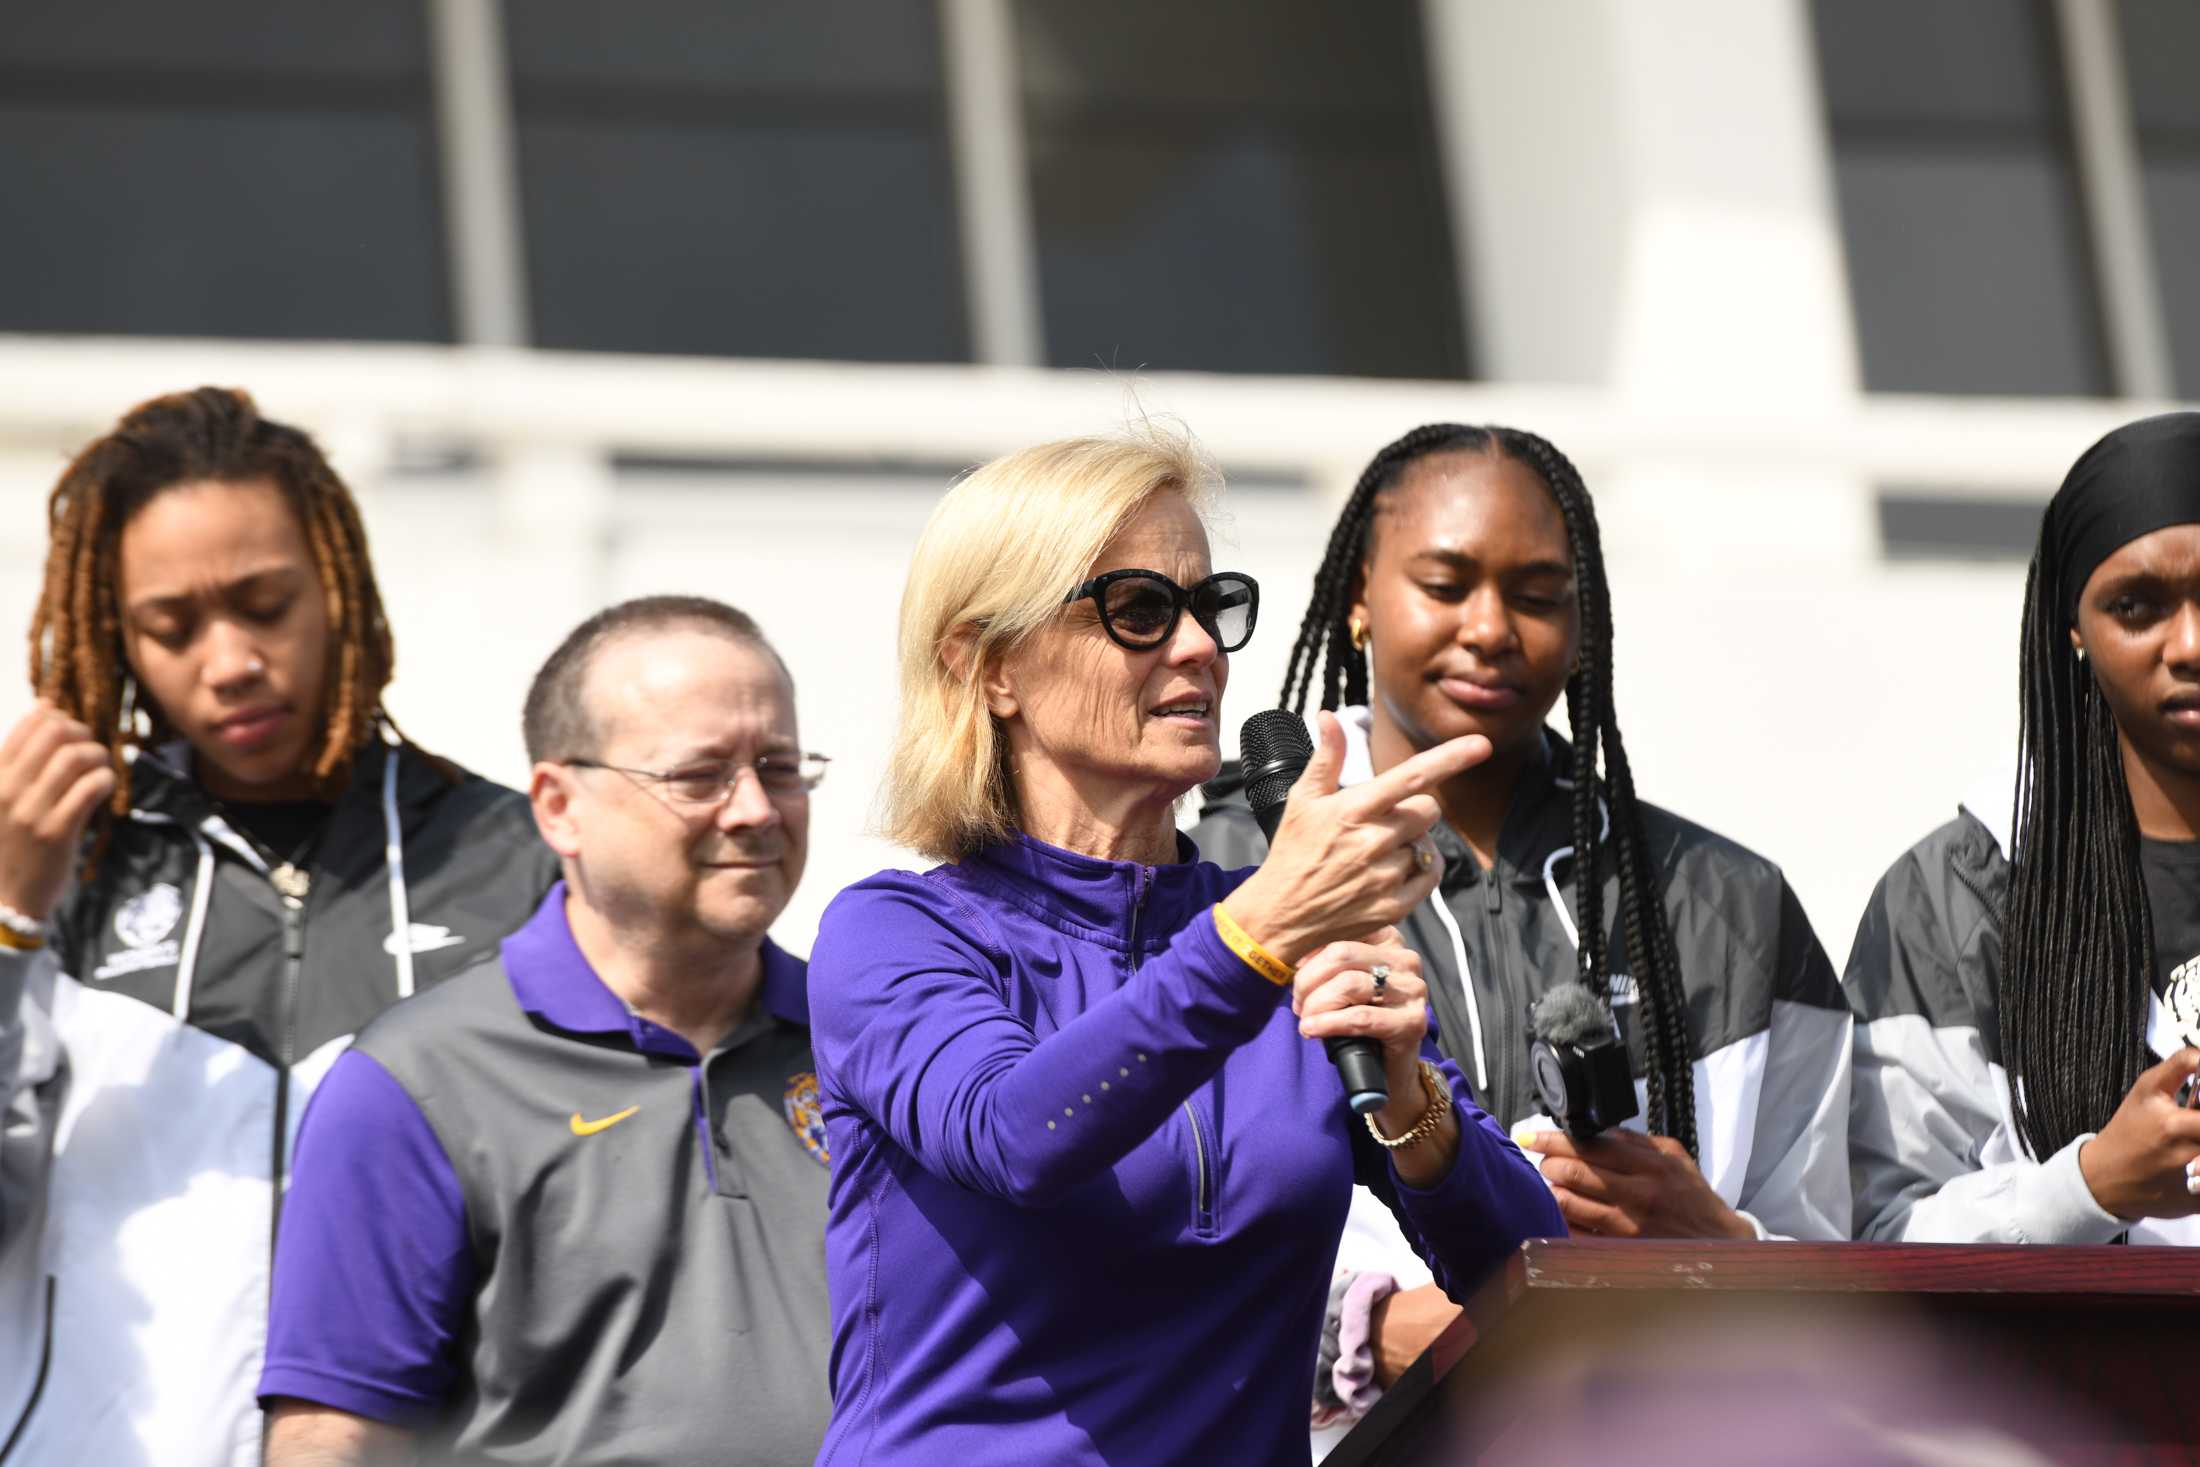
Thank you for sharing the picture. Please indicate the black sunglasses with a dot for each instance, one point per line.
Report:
(1139, 608)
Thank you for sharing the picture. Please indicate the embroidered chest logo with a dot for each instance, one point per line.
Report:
(590, 1128)
(424, 937)
(806, 1114)
(2182, 1000)
(143, 923)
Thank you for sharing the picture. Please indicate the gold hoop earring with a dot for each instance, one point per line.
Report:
(1358, 629)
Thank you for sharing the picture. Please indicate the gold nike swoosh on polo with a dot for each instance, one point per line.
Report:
(590, 1128)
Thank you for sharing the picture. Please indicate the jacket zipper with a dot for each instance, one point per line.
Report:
(1203, 1210)
(1203, 1205)
(38, 1386)
(294, 952)
(1506, 1041)
(1138, 908)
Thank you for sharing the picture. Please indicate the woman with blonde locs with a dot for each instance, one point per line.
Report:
(1089, 1161)
(218, 859)
(1464, 592)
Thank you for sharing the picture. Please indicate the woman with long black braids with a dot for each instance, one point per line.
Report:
(1464, 592)
(2019, 976)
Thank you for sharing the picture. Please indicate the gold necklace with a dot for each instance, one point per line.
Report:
(291, 883)
(291, 880)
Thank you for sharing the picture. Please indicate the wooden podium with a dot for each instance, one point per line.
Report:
(1707, 1353)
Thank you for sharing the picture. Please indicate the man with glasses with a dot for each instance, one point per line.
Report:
(570, 1204)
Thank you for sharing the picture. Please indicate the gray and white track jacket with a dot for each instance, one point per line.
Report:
(1933, 1143)
(156, 1057)
(1766, 1023)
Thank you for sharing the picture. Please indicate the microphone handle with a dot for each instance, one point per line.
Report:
(1366, 1087)
(1359, 1061)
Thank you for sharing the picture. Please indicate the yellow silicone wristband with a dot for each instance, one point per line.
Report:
(1256, 957)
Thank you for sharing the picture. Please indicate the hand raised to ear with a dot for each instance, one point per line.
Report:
(53, 776)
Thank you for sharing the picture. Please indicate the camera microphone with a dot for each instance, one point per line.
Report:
(1579, 1063)
(1273, 746)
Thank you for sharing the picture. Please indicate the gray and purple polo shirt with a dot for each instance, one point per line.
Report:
(534, 1227)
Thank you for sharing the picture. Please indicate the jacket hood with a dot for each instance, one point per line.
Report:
(162, 781)
(1992, 802)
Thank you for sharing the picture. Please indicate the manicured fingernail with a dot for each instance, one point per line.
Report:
(1524, 1138)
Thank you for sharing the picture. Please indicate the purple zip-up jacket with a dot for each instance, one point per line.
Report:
(1088, 1179)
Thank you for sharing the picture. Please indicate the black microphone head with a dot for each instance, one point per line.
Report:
(1571, 1015)
(1274, 747)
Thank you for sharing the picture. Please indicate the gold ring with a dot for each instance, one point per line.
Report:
(1423, 857)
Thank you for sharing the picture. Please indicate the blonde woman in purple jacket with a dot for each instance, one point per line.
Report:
(1090, 1161)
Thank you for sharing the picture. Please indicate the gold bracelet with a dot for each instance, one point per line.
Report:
(1256, 957)
(16, 942)
(1439, 1106)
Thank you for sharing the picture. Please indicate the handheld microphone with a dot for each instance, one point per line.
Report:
(1274, 748)
(1578, 1062)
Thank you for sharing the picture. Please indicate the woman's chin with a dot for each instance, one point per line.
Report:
(271, 774)
(1507, 730)
(1185, 770)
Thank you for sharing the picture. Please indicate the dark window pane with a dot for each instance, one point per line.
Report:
(1964, 270)
(1937, 65)
(220, 224)
(1222, 55)
(1932, 524)
(1960, 212)
(259, 38)
(220, 169)
(762, 179)
(2161, 56)
(2173, 210)
(2161, 50)
(791, 48)
(1237, 187)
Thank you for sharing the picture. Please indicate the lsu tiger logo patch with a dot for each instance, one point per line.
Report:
(806, 1116)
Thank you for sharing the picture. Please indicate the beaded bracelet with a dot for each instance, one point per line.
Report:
(1439, 1106)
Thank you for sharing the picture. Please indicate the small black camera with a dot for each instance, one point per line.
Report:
(1579, 1063)
(1585, 1090)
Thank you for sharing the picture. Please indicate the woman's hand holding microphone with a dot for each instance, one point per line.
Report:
(1345, 866)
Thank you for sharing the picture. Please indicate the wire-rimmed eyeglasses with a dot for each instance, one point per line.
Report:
(710, 781)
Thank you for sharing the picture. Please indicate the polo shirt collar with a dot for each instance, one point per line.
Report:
(554, 981)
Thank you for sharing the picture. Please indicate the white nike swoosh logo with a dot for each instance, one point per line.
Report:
(426, 938)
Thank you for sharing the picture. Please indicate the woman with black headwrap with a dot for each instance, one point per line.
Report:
(2025, 977)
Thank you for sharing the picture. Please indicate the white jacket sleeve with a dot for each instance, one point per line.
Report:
(1797, 1182)
(30, 1059)
(1935, 1151)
